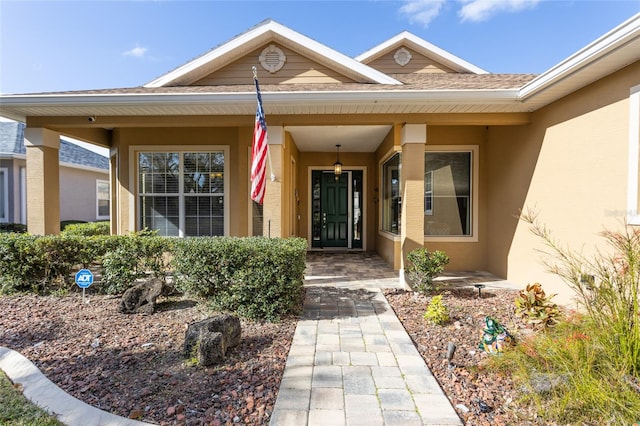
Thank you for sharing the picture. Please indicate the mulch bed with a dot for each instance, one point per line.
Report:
(132, 365)
(481, 396)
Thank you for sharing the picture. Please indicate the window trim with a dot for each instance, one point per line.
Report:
(378, 193)
(393, 153)
(134, 196)
(5, 198)
(633, 215)
(475, 174)
(98, 199)
(428, 193)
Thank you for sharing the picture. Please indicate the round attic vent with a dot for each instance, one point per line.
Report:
(272, 58)
(402, 57)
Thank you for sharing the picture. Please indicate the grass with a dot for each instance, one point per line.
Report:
(572, 376)
(16, 410)
(586, 370)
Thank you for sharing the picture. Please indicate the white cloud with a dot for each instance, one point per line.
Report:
(422, 11)
(137, 52)
(481, 10)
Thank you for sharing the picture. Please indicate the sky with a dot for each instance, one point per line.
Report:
(52, 45)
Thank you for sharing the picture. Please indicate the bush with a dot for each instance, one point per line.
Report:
(44, 264)
(586, 370)
(437, 312)
(424, 267)
(89, 229)
(536, 308)
(135, 256)
(13, 227)
(258, 278)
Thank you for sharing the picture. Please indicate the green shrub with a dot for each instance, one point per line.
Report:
(437, 312)
(65, 223)
(45, 264)
(88, 229)
(536, 308)
(258, 278)
(13, 227)
(134, 256)
(424, 266)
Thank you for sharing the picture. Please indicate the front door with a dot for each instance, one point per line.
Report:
(334, 203)
(337, 209)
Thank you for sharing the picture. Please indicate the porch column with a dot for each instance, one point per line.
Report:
(413, 139)
(272, 206)
(43, 181)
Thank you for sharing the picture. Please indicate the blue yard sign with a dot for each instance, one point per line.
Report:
(84, 278)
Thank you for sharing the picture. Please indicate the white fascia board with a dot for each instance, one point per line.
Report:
(272, 26)
(430, 49)
(464, 96)
(601, 47)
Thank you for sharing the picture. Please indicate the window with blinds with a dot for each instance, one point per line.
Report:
(182, 193)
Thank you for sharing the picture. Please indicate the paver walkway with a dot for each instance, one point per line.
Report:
(351, 362)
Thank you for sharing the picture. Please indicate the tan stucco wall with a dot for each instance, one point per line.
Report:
(180, 138)
(570, 165)
(464, 255)
(350, 160)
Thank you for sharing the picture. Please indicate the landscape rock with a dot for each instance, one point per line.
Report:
(208, 340)
(141, 298)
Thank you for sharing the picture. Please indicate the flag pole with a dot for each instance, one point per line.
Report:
(273, 176)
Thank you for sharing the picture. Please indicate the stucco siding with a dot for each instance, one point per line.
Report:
(570, 166)
(132, 141)
(78, 193)
(470, 254)
(351, 161)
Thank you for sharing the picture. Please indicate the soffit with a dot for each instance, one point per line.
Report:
(325, 138)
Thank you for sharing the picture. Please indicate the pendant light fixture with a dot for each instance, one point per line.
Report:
(337, 166)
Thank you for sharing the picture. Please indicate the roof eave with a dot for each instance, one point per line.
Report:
(606, 45)
(15, 106)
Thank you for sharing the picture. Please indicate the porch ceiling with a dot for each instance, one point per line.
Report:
(325, 138)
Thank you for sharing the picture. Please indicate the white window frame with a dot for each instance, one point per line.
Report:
(5, 199)
(134, 198)
(475, 179)
(428, 193)
(633, 215)
(98, 199)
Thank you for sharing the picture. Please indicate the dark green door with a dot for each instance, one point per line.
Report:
(334, 210)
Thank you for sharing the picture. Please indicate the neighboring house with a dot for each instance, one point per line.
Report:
(84, 179)
(435, 151)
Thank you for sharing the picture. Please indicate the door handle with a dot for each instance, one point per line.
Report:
(324, 220)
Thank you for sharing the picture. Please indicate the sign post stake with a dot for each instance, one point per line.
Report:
(84, 278)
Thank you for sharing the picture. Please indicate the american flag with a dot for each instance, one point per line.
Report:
(259, 153)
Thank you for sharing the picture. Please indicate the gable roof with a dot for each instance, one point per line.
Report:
(423, 47)
(263, 33)
(408, 93)
(12, 143)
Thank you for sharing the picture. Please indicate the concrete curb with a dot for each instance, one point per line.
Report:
(45, 394)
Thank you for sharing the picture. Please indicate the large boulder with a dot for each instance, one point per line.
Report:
(141, 298)
(209, 339)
